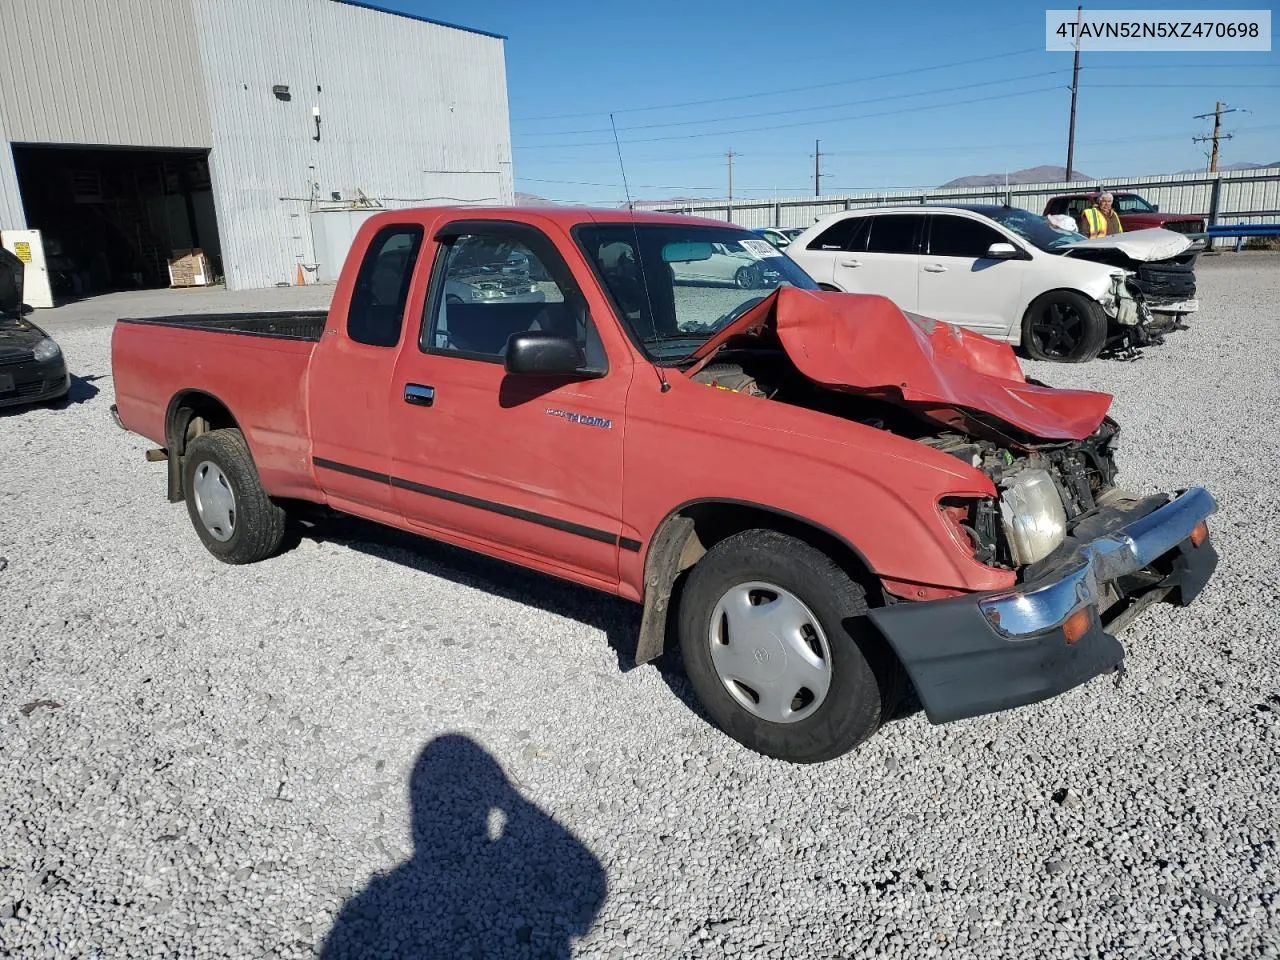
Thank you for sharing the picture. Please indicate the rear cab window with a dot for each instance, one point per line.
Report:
(375, 316)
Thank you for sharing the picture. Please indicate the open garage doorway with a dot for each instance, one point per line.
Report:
(112, 218)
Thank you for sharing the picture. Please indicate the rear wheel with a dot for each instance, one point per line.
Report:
(778, 648)
(1065, 327)
(233, 516)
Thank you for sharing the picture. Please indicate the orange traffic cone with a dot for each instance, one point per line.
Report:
(299, 280)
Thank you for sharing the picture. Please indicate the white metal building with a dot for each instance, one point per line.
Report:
(133, 128)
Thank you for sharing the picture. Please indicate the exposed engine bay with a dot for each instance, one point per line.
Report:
(1045, 486)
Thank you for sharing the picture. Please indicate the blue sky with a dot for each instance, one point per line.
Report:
(899, 95)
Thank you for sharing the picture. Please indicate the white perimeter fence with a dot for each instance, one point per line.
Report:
(1229, 198)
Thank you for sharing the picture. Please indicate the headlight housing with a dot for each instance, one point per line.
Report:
(46, 349)
(1035, 522)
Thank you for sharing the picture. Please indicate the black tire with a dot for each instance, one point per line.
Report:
(745, 278)
(1063, 326)
(865, 678)
(257, 524)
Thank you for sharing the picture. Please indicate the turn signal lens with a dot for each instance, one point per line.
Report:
(1200, 534)
(1077, 624)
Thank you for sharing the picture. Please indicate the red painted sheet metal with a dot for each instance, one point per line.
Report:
(863, 343)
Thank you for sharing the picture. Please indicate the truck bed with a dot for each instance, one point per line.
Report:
(291, 325)
(254, 364)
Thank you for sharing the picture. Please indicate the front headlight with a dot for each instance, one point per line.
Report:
(46, 349)
(1035, 522)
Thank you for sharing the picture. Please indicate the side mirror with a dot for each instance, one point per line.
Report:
(1155, 207)
(544, 355)
(1002, 251)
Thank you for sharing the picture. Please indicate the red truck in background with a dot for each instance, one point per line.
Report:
(822, 497)
(1134, 211)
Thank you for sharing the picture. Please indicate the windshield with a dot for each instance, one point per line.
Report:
(676, 286)
(1035, 228)
(1132, 203)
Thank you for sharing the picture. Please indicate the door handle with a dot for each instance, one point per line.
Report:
(850, 263)
(419, 394)
(935, 268)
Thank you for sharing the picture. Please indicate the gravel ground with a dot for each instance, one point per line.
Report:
(362, 743)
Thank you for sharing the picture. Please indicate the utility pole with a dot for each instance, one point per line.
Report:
(1075, 86)
(1217, 132)
(817, 169)
(730, 156)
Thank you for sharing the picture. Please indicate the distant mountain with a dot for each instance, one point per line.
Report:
(533, 200)
(1044, 174)
(1236, 166)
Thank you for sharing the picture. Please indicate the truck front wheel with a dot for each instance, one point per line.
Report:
(233, 516)
(778, 648)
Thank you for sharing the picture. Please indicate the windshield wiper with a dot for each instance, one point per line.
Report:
(674, 338)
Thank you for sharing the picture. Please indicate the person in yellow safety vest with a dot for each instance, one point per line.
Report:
(1100, 220)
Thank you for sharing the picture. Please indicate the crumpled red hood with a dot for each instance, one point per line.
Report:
(862, 343)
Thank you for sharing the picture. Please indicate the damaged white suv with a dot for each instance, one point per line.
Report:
(1008, 274)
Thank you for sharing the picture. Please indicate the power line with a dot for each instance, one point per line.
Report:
(593, 183)
(890, 76)
(1177, 66)
(959, 148)
(1148, 136)
(770, 93)
(795, 110)
(790, 111)
(845, 52)
(799, 123)
(1182, 86)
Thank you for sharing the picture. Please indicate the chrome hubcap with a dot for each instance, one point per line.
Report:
(215, 503)
(770, 652)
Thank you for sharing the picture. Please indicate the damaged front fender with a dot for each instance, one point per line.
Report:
(1123, 303)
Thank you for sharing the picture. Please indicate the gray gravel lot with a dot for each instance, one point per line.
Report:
(369, 740)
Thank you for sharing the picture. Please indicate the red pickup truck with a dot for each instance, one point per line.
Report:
(817, 496)
(1134, 211)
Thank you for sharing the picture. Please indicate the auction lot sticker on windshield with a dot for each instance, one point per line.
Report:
(1135, 30)
(760, 248)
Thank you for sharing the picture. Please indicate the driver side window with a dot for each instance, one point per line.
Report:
(491, 286)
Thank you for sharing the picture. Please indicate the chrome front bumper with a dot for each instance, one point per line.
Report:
(1032, 609)
(986, 652)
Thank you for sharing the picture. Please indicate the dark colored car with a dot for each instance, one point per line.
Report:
(1134, 211)
(31, 365)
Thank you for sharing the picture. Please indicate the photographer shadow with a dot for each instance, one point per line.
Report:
(491, 874)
